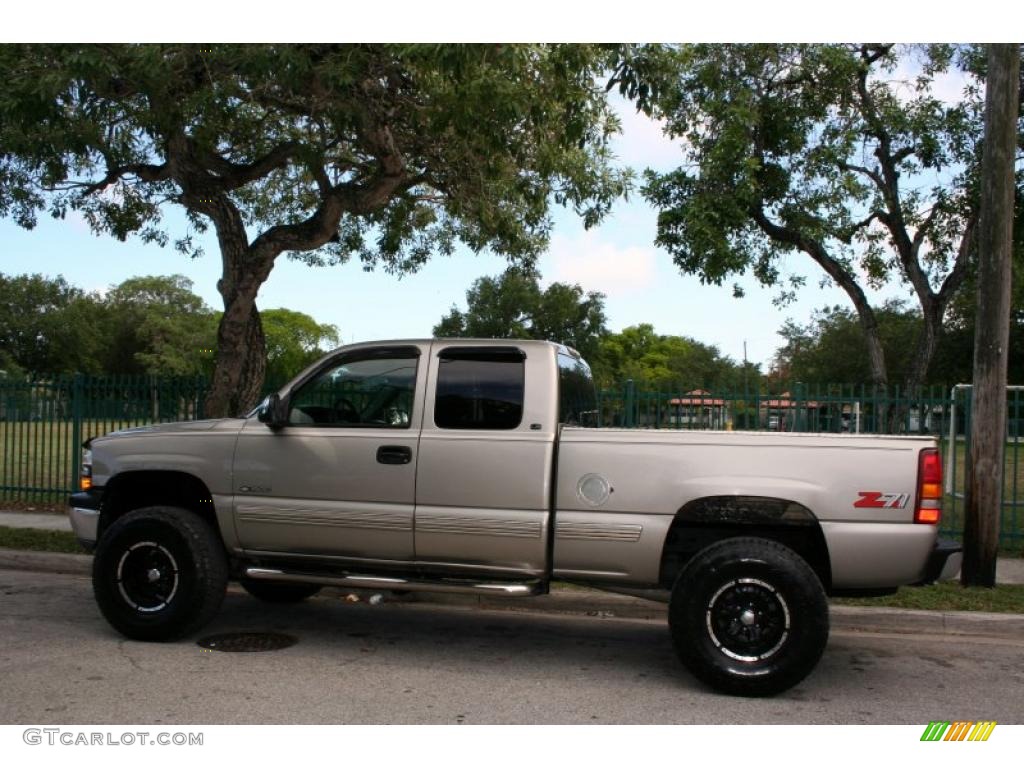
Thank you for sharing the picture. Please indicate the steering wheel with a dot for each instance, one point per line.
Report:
(344, 410)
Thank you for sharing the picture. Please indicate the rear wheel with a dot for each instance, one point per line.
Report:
(749, 617)
(279, 592)
(159, 573)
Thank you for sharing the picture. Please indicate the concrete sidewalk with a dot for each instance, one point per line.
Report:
(1009, 570)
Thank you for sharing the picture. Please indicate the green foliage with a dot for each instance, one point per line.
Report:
(831, 348)
(783, 129)
(415, 146)
(47, 325)
(145, 325)
(667, 363)
(157, 325)
(513, 306)
(845, 154)
(294, 340)
(388, 153)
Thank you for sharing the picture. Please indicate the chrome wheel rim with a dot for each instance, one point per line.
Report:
(147, 576)
(748, 620)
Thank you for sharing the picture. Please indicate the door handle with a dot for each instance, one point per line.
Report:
(394, 454)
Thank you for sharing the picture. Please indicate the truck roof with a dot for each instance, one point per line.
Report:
(463, 342)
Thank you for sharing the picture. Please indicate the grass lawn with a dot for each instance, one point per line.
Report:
(39, 541)
(948, 596)
(1013, 490)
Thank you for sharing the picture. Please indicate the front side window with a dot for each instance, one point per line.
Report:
(374, 391)
(479, 389)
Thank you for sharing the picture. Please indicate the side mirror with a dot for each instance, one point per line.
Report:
(273, 412)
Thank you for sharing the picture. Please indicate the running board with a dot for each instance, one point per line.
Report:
(387, 582)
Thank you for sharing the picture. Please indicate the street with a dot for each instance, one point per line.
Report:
(419, 663)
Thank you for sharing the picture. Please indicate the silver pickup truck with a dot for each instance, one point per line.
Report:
(468, 466)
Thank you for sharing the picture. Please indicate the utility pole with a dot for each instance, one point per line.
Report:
(983, 504)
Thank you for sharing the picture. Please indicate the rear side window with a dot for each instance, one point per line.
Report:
(479, 389)
(577, 399)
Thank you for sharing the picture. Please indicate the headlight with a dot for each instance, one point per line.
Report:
(85, 479)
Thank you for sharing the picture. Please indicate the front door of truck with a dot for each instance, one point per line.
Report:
(339, 479)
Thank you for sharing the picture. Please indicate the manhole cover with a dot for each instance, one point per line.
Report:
(247, 642)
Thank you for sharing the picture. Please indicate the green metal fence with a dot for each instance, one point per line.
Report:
(43, 421)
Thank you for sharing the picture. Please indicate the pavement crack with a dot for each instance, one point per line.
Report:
(128, 657)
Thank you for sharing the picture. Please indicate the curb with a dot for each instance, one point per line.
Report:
(584, 602)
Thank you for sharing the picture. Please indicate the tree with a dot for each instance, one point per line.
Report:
(157, 325)
(294, 340)
(831, 348)
(390, 153)
(985, 469)
(513, 306)
(666, 363)
(48, 326)
(826, 151)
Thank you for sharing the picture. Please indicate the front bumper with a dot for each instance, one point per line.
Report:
(944, 562)
(84, 512)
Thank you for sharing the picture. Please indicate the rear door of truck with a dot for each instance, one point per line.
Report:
(483, 479)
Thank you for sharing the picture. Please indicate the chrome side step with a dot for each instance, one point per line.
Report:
(387, 582)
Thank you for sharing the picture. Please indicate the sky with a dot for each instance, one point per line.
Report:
(617, 258)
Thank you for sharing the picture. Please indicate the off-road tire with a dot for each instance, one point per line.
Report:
(279, 592)
(749, 617)
(159, 574)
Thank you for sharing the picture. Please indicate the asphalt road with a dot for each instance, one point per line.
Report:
(416, 663)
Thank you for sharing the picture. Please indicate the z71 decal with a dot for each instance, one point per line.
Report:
(879, 500)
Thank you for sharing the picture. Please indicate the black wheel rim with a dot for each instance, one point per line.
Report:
(147, 576)
(748, 620)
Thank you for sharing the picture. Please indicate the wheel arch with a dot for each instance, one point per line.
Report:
(709, 519)
(134, 489)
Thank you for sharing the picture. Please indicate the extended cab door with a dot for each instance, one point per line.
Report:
(485, 461)
(340, 478)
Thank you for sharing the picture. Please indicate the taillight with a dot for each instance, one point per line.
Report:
(929, 487)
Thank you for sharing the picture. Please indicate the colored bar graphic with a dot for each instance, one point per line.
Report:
(958, 730)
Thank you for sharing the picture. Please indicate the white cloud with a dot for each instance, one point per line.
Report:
(598, 265)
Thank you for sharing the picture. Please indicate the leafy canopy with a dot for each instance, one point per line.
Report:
(409, 148)
(514, 306)
(793, 144)
(667, 363)
(294, 340)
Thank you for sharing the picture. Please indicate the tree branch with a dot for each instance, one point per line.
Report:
(234, 175)
(838, 273)
(956, 275)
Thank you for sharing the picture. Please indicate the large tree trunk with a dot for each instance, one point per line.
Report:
(241, 362)
(241, 347)
(992, 328)
(924, 351)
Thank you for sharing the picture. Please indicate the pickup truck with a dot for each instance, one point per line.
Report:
(470, 466)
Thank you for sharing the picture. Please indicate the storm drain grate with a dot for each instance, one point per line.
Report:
(247, 642)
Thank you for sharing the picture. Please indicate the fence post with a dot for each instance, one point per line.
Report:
(629, 418)
(76, 430)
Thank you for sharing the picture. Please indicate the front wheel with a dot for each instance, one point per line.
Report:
(159, 573)
(749, 617)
